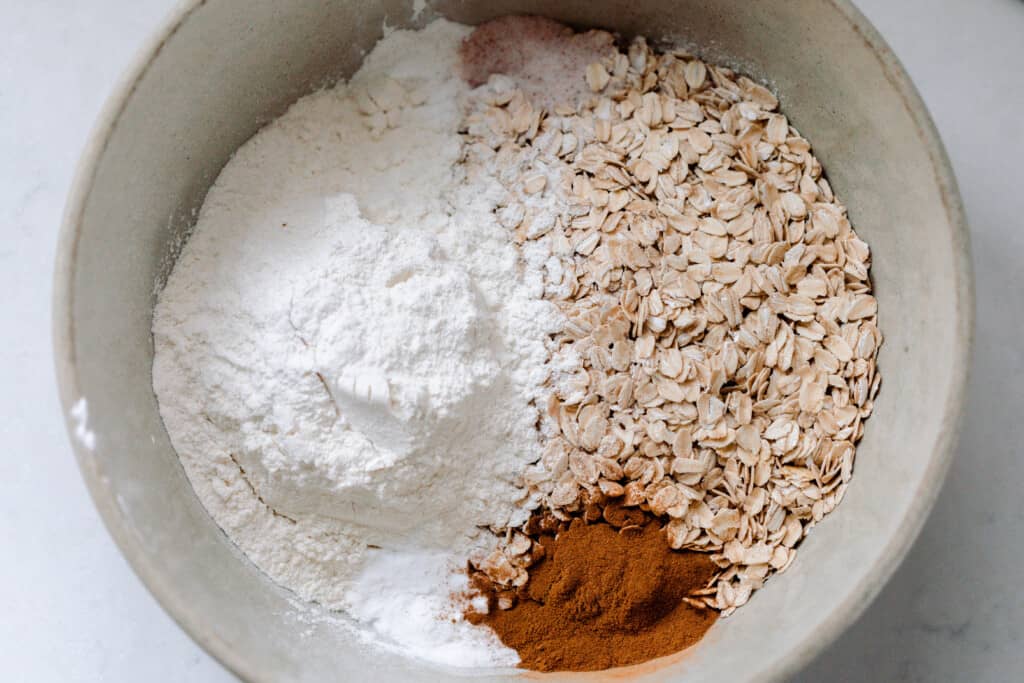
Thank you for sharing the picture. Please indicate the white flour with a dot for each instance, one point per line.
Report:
(348, 349)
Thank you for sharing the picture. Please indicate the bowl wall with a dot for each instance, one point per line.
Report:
(222, 69)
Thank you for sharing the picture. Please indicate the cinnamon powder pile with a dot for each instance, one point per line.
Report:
(602, 597)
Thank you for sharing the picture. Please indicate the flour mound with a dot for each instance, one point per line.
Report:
(349, 352)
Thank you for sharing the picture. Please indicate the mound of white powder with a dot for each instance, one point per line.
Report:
(349, 348)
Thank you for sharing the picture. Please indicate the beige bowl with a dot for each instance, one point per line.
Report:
(220, 69)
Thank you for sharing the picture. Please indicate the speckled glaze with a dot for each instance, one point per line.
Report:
(221, 69)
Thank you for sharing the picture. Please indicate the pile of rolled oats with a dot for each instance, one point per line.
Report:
(721, 325)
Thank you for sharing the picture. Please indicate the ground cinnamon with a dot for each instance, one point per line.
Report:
(603, 597)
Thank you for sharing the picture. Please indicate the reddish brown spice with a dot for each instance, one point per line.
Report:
(603, 597)
(546, 59)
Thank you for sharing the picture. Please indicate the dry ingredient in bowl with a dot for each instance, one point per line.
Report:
(519, 296)
(606, 594)
(349, 351)
(720, 321)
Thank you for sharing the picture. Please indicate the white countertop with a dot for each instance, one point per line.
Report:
(73, 610)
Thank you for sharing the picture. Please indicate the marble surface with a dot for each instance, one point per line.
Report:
(73, 610)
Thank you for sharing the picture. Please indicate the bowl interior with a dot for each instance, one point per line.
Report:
(225, 68)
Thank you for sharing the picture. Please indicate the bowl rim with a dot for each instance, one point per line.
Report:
(205, 634)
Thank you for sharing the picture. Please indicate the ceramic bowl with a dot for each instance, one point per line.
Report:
(220, 69)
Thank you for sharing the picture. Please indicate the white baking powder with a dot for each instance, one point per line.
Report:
(349, 350)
